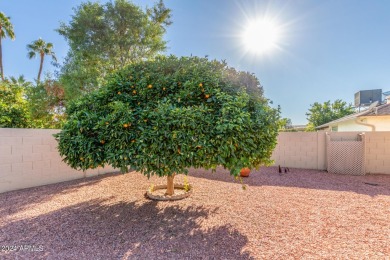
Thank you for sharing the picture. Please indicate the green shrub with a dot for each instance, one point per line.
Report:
(14, 111)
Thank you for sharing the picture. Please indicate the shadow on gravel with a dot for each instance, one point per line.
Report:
(14, 201)
(371, 185)
(139, 230)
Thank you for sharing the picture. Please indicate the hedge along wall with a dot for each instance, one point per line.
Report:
(29, 158)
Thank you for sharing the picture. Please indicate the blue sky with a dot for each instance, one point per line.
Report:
(327, 50)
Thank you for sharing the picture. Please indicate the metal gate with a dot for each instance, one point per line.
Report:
(346, 153)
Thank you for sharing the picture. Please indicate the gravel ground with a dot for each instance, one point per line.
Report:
(302, 214)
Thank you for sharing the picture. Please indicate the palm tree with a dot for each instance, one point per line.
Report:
(20, 81)
(6, 29)
(42, 48)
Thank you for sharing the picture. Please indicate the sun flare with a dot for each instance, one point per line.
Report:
(261, 36)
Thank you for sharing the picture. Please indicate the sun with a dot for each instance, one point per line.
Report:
(261, 36)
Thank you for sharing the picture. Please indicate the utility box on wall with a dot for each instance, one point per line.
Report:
(367, 97)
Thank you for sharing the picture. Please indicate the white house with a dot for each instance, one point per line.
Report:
(374, 119)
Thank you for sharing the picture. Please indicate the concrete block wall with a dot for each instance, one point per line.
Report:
(308, 150)
(301, 150)
(377, 149)
(29, 158)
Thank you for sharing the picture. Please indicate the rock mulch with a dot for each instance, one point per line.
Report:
(301, 214)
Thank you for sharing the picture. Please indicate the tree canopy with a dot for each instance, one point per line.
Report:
(14, 111)
(163, 116)
(25, 105)
(105, 37)
(46, 104)
(320, 114)
(285, 124)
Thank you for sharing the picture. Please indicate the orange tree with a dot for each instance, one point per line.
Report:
(163, 116)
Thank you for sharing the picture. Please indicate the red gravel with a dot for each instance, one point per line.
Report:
(300, 214)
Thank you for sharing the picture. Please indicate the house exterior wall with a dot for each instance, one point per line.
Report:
(29, 157)
(381, 123)
(351, 126)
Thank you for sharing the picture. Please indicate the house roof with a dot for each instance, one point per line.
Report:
(381, 110)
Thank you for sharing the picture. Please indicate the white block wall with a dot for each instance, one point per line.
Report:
(29, 158)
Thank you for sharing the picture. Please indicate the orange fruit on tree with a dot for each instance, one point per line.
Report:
(150, 86)
(200, 85)
(102, 141)
(125, 125)
(119, 92)
(207, 96)
(134, 92)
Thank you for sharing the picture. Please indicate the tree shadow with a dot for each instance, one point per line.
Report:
(14, 201)
(101, 229)
(372, 185)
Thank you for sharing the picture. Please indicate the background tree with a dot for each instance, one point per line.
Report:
(285, 124)
(41, 48)
(244, 79)
(6, 29)
(20, 81)
(14, 112)
(162, 117)
(320, 114)
(105, 37)
(46, 104)
(27, 105)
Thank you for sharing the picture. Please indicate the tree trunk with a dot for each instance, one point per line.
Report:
(170, 187)
(1, 60)
(40, 67)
